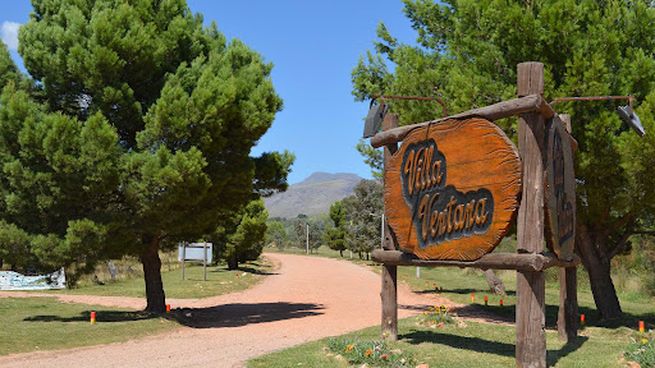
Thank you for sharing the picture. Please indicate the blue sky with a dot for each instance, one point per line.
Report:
(314, 46)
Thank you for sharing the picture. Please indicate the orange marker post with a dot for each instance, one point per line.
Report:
(582, 319)
(93, 317)
(472, 297)
(486, 300)
(642, 327)
(501, 302)
(168, 308)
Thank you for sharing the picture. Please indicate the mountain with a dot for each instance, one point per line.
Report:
(312, 196)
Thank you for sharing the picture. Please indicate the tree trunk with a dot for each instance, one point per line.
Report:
(598, 267)
(496, 285)
(340, 254)
(155, 297)
(232, 262)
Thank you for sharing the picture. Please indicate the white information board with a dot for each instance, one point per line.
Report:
(194, 252)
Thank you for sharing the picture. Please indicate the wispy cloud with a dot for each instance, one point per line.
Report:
(9, 31)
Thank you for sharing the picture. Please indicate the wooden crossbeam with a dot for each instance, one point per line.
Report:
(531, 103)
(528, 262)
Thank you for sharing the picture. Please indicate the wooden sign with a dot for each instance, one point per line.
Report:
(560, 191)
(452, 189)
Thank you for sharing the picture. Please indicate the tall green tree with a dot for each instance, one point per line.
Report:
(276, 233)
(363, 215)
(246, 241)
(467, 52)
(136, 134)
(335, 235)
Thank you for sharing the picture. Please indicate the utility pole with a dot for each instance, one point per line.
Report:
(307, 237)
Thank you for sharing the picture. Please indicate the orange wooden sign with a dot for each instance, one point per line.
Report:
(452, 189)
(560, 191)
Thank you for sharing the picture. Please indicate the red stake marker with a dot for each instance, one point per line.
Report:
(642, 327)
(486, 300)
(582, 319)
(168, 308)
(472, 297)
(93, 317)
(501, 302)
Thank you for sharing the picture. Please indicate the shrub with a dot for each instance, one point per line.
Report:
(436, 316)
(642, 351)
(371, 353)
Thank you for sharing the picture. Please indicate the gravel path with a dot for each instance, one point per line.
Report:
(307, 298)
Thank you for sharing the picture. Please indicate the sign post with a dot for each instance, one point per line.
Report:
(195, 252)
(204, 261)
(183, 259)
(451, 191)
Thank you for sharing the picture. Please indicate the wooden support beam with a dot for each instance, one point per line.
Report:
(504, 109)
(389, 292)
(531, 286)
(567, 316)
(497, 261)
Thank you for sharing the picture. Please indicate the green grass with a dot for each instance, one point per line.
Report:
(32, 324)
(219, 281)
(472, 345)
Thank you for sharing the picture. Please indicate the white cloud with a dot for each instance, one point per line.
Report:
(9, 31)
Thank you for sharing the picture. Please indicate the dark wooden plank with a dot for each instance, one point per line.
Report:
(497, 261)
(560, 190)
(389, 292)
(567, 316)
(451, 190)
(504, 109)
(531, 286)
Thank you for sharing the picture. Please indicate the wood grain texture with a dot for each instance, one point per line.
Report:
(531, 286)
(389, 290)
(496, 261)
(500, 110)
(560, 190)
(451, 189)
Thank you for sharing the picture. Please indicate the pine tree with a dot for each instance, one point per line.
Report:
(135, 133)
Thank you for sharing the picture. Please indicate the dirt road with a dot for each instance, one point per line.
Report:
(307, 298)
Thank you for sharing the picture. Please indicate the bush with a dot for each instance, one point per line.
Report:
(371, 353)
(642, 351)
(436, 316)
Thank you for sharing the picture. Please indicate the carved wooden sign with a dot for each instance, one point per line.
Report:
(560, 191)
(452, 189)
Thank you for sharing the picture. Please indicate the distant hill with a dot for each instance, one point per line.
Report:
(313, 195)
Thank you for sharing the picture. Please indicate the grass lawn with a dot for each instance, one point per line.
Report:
(219, 281)
(472, 345)
(32, 324)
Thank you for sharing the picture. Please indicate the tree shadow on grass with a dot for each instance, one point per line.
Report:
(239, 314)
(228, 315)
(553, 356)
(459, 342)
(485, 346)
(102, 316)
(464, 291)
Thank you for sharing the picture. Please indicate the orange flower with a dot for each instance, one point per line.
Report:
(349, 347)
(368, 352)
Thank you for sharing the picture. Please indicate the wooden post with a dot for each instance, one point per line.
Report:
(204, 261)
(567, 316)
(531, 286)
(183, 258)
(389, 293)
